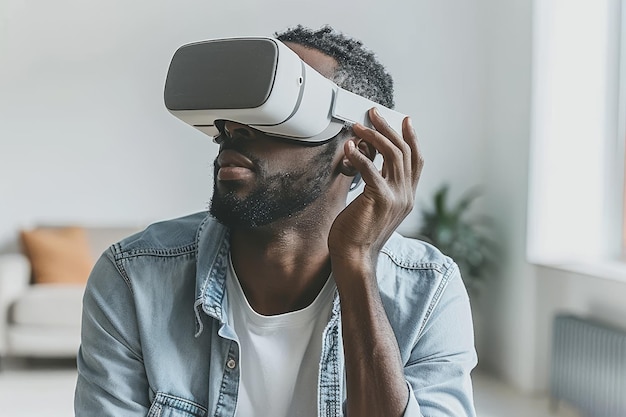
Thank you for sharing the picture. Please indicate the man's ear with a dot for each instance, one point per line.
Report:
(365, 148)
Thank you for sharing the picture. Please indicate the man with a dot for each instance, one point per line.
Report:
(283, 301)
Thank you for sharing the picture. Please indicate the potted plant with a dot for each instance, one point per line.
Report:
(463, 237)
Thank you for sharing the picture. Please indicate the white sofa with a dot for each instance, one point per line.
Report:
(43, 320)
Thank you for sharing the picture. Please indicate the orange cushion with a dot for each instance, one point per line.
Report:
(58, 255)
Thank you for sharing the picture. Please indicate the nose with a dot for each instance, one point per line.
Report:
(233, 130)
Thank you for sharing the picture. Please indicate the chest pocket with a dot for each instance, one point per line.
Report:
(165, 405)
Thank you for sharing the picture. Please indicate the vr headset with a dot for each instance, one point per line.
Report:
(260, 82)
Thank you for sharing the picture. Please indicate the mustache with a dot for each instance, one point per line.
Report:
(239, 148)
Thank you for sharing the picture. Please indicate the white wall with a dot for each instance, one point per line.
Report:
(508, 305)
(84, 135)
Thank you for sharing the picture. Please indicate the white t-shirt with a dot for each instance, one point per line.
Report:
(279, 355)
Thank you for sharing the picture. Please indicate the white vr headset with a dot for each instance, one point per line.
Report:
(260, 82)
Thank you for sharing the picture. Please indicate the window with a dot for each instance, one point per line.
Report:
(576, 191)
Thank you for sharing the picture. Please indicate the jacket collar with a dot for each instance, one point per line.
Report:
(213, 243)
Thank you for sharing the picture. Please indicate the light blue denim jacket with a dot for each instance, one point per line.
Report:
(156, 339)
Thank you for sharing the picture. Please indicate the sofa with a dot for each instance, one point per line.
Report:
(41, 288)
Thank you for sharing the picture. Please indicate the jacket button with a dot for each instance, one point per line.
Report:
(231, 364)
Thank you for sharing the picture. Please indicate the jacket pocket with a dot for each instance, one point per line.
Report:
(165, 405)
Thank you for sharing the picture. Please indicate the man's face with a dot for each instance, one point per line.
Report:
(260, 179)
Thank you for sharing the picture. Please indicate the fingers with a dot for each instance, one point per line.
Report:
(394, 162)
(401, 154)
(363, 165)
(381, 125)
(417, 160)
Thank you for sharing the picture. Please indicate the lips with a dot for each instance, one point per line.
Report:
(233, 166)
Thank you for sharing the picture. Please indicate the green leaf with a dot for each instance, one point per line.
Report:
(465, 239)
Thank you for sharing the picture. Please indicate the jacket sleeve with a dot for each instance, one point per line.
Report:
(441, 361)
(112, 379)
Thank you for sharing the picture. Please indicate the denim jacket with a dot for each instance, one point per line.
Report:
(156, 339)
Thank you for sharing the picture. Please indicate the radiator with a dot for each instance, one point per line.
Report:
(588, 368)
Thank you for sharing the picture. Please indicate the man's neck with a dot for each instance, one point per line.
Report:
(281, 271)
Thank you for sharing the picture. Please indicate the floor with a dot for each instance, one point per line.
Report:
(495, 399)
(53, 383)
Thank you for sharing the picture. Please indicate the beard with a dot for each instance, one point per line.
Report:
(275, 197)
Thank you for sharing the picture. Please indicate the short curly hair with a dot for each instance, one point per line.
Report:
(358, 68)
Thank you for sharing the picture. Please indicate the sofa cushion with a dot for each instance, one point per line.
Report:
(58, 255)
(49, 305)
